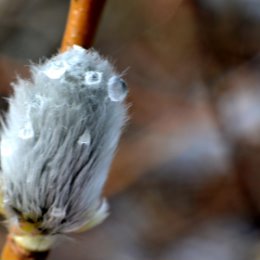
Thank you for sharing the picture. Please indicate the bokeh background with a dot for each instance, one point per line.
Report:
(185, 181)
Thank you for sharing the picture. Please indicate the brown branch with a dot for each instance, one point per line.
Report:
(13, 251)
(82, 23)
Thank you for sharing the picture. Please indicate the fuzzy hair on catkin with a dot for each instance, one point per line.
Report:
(58, 141)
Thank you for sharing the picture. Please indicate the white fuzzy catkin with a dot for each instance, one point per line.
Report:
(58, 141)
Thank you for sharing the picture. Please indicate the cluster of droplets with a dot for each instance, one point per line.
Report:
(116, 91)
(56, 69)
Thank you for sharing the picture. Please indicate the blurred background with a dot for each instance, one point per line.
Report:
(185, 181)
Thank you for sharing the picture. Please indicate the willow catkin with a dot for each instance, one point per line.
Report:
(58, 140)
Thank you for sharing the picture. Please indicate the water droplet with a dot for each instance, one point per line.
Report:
(117, 89)
(85, 138)
(6, 148)
(93, 77)
(58, 212)
(26, 132)
(103, 208)
(56, 69)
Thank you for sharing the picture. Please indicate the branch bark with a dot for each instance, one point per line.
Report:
(82, 22)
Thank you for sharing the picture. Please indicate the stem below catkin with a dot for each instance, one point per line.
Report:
(12, 251)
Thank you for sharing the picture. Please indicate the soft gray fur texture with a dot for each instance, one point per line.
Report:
(58, 141)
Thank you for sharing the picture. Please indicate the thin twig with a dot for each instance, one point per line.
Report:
(12, 251)
(82, 23)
